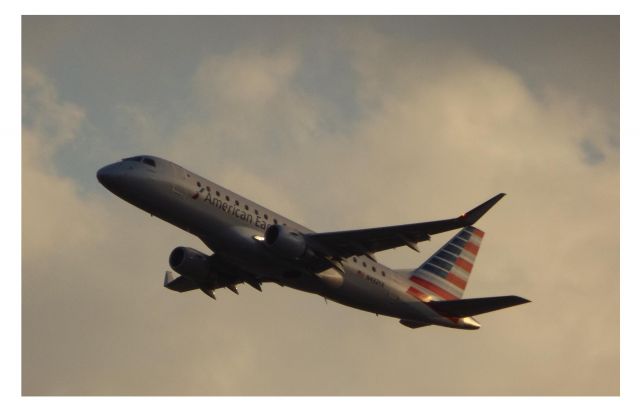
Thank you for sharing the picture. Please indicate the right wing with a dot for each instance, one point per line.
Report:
(345, 244)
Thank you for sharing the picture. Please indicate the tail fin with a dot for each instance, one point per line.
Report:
(445, 274)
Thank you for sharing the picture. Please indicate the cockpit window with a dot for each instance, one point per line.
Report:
(144, 160)
(149, 161)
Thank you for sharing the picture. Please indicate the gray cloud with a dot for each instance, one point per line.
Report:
(438, 128)
(592, 153)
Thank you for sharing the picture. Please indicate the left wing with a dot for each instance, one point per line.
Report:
(180, 283)
(345, 244)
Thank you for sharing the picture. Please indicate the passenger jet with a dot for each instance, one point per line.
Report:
(252, 244)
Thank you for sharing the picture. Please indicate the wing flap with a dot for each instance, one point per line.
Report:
(463, 308)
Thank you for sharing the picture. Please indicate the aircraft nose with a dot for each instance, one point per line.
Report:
(108, 175)
(103, 174)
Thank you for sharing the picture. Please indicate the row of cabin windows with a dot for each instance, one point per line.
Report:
(364, 264)
(246, 207)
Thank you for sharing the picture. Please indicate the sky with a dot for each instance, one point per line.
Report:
(338, 123)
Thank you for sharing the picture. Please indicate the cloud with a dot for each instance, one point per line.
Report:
(44, 114)
(246, 78)
(439, 129)
(48, 124)
(247, 92)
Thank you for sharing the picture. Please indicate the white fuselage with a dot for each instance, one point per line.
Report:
(232, 226)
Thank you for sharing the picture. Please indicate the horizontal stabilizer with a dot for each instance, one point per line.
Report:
(463, 308)
(413, 324)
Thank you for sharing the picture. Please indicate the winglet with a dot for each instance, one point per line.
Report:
(476, 213)
(168, 278)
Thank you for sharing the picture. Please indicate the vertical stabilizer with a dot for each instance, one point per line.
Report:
(445, 274)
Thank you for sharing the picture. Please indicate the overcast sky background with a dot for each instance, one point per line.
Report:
(338, 123)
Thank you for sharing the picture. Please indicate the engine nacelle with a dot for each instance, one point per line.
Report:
(191, 263)
(286, 242)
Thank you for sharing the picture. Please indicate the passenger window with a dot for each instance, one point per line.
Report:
(364, 264)
(246, 207)
(237, 203)
(227, 197)
(217, 193)
(383, 273)
(149, 161)
(199, 184)
(355, 260)
(275, 221)
(257, 213)
(374, 269)
(208, 189)
(266, 216)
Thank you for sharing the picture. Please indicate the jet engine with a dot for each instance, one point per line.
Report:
(191, 263)
(285, 241)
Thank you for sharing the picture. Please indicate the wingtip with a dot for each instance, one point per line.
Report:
(518, 300)
(168, 278)
(476, 213)
(496, 198)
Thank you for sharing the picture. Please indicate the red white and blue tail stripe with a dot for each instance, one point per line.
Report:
(445, 274)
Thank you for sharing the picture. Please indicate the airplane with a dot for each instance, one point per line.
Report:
(254, 245)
